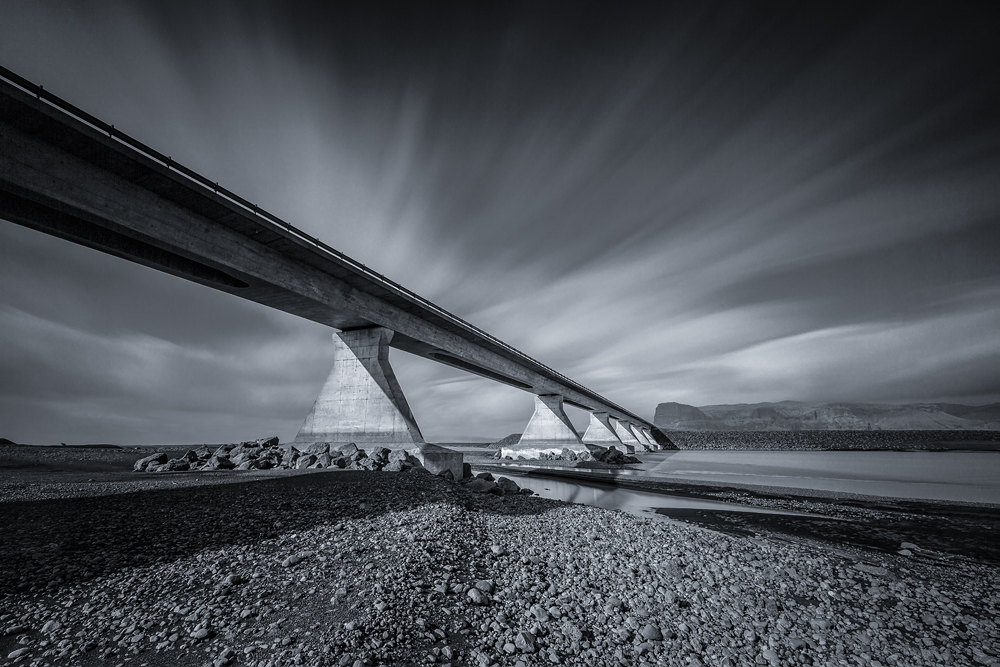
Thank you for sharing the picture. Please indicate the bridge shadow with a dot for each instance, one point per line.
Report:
(58, 542)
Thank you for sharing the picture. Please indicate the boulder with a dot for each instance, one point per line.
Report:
(381, 454)
(317, 448)
(568, 454)
(156, 459)
(507, 485)
(191, 456)
(324, 460)
(219, 463)
(203, 453)
(305, 461)
(480, 485)
(268, 442)
(396, 466)
(349, 450)
(222, 451)
(245, 464)
(176, 464)
(366, 463)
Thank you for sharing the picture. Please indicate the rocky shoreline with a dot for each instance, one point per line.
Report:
(357, 567)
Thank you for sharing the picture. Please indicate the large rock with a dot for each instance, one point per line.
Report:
(316, 448)
(176, 465)
(219, 463)
(157, 459)
(324, 460)
(437, 459)
(396, 466)
(507, 485)
(481, 486)
(305, 461)
(267, 442)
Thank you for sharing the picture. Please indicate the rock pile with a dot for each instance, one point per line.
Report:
(267, 454)
(610, 455)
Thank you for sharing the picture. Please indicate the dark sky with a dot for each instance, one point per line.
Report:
(666, 202)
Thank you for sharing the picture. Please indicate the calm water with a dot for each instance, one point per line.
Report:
(956, 476)
(628, 500)
(961, 476)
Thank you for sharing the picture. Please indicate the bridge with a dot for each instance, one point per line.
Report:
(66, 173)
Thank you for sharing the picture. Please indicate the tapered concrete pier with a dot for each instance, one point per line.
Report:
(649, 437)
(600, 431)
(644, 442)
(362, 403)
(549, 431)
(629, 441)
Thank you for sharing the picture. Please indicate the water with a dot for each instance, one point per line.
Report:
(950, 476)
(628, 500)
(956, 476)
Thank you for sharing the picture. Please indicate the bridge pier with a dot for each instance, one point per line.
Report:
(549, 431)
(649, 437)
(628, 439)
(361, 402)
(600, 432)
(644, 442)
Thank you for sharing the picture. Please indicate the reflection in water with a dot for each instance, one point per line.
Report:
(627, 500)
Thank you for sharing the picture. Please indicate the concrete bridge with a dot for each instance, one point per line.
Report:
(71, 175)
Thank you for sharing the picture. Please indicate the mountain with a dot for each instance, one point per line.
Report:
(800, 416)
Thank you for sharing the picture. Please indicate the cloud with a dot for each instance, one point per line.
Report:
(671, 205)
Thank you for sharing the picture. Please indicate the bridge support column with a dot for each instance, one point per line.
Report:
(629, 441)
(649, 437)
(644, 442)
(362, 403)
(548, 432)
(601, 432)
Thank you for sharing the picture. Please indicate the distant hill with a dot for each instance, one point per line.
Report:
(799, 416)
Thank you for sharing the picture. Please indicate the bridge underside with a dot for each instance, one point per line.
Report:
(89, 184)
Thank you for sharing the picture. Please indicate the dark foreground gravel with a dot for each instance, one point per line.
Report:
(369, 568)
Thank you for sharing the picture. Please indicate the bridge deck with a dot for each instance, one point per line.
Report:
(40, 130)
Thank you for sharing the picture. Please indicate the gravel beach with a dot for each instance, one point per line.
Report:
(368, 568)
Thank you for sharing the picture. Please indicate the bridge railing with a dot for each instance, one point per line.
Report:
(75, 112)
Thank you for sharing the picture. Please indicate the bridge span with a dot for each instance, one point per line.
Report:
(66, 173)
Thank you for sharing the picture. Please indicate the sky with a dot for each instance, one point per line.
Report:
(703, 203)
